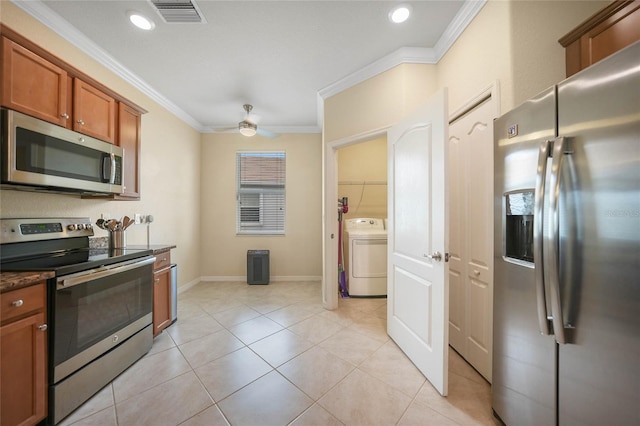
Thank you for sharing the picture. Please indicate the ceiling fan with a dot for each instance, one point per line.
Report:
(249, 125)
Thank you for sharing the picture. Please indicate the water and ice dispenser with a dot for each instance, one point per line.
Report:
(519, 225)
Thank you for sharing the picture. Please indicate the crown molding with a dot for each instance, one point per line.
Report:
(64, 29)
(463, 18)
(404, 55)
(410, 55)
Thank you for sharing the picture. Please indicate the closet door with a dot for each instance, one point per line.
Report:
(471, 235)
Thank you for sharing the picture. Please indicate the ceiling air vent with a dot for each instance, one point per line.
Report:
(179, 11)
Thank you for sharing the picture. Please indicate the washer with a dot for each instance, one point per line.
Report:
(365, 253)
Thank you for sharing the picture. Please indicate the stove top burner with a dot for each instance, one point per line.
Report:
(60, 247)
(69, 262)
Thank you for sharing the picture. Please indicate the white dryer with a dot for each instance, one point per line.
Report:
(365, 257)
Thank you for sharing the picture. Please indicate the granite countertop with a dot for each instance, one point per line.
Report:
(15, 280)
(157, 248)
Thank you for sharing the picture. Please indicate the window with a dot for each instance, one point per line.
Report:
(261, 192)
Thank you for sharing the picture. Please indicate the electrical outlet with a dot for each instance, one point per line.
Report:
(105, 216)
(137, 219)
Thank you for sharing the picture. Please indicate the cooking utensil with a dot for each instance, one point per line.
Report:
(112, 224)
(126, 222)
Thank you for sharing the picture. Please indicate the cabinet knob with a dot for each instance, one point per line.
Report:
(17, 303)
(80, 122)
(65, 116)
(476, 272)
(157, 280)
(42, 327)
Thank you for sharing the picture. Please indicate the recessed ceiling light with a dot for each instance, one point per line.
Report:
(141, 21)
(400, 13)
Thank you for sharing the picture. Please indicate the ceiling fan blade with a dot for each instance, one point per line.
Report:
(227, 129)
(267, 133)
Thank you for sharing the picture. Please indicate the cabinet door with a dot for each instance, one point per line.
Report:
(94, 112)
(129, 139)
(23, 364)
(614, 27)
(22, 73)
(161, 300)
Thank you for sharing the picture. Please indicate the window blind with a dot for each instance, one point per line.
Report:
(260, 207)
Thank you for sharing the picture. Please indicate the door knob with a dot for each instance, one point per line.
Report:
(437, 256)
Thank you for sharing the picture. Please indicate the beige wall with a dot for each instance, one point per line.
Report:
(170, 164)
(295, 255)
(378, 102)
(362, 177)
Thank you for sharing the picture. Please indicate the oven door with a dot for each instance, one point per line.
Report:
(96, 310)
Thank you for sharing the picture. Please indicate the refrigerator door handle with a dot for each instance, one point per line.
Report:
(538, 215)
(561, 147)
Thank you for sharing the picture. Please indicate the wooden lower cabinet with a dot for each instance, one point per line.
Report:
(162, 293)
(23, 356)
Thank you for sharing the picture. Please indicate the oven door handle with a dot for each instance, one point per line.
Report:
(102, 272)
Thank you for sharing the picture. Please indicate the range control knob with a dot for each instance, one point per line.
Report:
(88, 226)
(80, 226)
(71, 227)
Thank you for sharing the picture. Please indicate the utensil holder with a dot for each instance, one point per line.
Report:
(117, 239)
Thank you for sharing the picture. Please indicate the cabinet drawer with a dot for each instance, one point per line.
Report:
(162, 260)
(16, 303)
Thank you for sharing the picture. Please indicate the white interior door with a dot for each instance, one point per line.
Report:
(417, 293)
(471, 236)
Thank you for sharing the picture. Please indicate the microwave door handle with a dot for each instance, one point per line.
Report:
(538, 217)
(107, 168)
(112, 176)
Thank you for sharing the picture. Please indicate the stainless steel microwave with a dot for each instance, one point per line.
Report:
(40, 156)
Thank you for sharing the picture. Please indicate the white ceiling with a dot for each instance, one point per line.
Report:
(281, 56)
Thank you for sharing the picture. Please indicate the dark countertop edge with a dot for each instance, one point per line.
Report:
(10, 280)
(157, 248)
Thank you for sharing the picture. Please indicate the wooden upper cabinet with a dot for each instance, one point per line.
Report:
(38, 83)
(129, 140)
(94, 112)
(33, 85)
(613, 28)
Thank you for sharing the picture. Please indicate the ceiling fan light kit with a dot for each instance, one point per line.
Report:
(247, 129)
(249, 125)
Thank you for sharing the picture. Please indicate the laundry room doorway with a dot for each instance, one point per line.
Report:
(362, 189)
(362, 178)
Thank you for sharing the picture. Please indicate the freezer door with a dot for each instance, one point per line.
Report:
(524, 360)
(599, 113)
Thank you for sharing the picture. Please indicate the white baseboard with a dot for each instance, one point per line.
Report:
(243, 278)
(187, 286)
(235, 278)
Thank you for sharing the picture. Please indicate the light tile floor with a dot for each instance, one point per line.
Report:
(271, 355)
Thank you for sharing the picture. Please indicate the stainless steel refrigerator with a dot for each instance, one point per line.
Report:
(567, 251)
